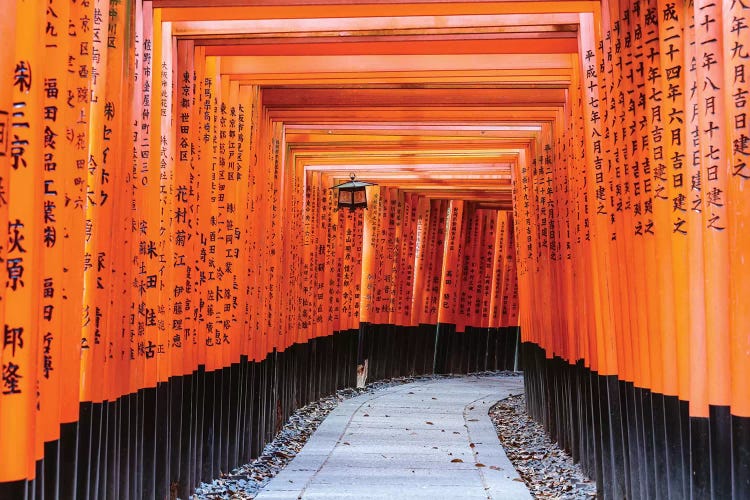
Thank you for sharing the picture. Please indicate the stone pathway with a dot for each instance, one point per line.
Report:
(426, 440)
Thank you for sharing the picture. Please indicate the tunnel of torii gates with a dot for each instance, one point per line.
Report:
(178, 278)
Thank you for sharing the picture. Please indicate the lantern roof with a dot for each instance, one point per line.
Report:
(353, 184)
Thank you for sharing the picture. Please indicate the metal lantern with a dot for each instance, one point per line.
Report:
(352, 194)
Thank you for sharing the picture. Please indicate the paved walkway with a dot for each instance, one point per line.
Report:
(426, 440)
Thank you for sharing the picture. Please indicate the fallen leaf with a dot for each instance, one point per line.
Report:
(346, 443)
(457, 460)
(429, 423)
(479, 465)
(517, 479)
(495, 467)
(471, 445)
(473, 420)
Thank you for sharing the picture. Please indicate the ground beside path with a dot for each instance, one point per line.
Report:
(425, 440)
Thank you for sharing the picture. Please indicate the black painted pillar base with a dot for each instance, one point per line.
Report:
(740, 457)
(700, 458)
(161, 442)
(720, 445)
(68, 461)
(637, 443)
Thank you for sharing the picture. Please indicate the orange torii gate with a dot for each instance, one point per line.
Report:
(179, 279)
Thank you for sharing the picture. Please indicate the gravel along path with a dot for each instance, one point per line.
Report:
(546, 469)
(428, 440)
(247, 480)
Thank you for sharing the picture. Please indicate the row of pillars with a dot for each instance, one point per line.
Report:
(176, 284)
(633, 262)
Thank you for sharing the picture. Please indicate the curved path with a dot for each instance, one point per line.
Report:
(424, 440)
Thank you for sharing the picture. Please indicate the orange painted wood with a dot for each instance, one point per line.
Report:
(56, 152)
(488, 253)
(218, 12)
(317, 98)
(119, 48)
(183, 216)
(495, 293)
(714, 150)
(22, 252)
(737, 184)
(629, 202)
(421, 260)
(7, 72)
(98, 215)
(369, 226)
(626, 247)
(603, 362)
(136, 324)
(501, 46)
(233, 11)
(513, 301)
(674, 118)
(449, 275)
(436, 245)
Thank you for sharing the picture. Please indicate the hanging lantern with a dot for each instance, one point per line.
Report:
(352, 194)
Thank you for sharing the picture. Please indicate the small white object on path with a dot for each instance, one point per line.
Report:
(427, 440)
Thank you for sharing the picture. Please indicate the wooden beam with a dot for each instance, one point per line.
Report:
(328, 98)
(187, 10)
(312, 65)
(566, 45)
(355, 26)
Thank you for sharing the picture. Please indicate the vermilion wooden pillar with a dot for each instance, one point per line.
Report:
(623, 261)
